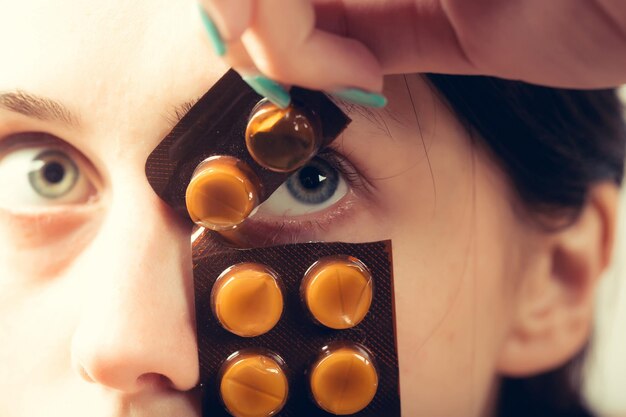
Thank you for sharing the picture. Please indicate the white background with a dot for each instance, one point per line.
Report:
(606, 366)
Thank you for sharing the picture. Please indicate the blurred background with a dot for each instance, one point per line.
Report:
(606, 364)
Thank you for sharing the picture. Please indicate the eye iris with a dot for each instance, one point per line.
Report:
(53, 174)
(314, 183)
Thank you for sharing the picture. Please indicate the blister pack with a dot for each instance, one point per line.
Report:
(304, 329)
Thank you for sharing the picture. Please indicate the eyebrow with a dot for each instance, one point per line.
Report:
(46, 109)
(38, 107)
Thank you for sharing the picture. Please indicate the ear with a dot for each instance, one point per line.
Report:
(554, 301)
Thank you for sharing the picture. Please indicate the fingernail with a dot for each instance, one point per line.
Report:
(270, 89)
(214, 34)
(358, 96)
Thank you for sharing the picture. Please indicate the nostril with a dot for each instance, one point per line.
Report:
(154, 381)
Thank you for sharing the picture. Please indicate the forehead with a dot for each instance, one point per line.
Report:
(106, 59)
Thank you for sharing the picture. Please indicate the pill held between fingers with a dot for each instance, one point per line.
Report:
(282, 140)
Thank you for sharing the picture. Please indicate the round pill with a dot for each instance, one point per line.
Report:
(282, 140)
(338, 291)
(344, 380)
(247, 299)
(253, 385)
(222, 193)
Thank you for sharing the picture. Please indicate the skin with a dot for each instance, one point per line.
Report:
(96, 298)
(347, 43)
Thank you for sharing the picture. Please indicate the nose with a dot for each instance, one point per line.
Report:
(137, 324)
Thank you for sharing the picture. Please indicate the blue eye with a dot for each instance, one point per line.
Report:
(312, 188)
(314, 183)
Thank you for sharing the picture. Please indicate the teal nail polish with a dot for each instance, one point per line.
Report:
(358, 96)
(214, 34)
(270, 89)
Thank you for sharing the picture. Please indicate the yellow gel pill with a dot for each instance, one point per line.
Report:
(344, 380)
(247, 299)
(253, 385)
(282, 140)
(338, 291)
(222, 193)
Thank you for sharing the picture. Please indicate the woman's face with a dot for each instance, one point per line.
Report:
(96, 292)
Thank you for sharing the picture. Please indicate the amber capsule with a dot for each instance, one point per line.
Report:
(222, 193)
(253, 383)
(282, 140)
(338, 291)
(247, 299)
(344, 379)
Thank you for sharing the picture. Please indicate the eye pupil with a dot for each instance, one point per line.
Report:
(54, 172)
(311, 178)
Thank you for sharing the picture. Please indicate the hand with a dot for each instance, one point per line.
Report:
(335, 45)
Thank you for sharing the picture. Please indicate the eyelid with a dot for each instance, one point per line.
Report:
(266, 231)
(20, 140)
(17, 141)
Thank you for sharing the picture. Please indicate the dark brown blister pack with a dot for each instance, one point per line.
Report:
(216, 125)
(296, 337)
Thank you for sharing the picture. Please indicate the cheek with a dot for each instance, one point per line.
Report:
(35, 328)
(453, 276)
(39, 247)
(35, 301)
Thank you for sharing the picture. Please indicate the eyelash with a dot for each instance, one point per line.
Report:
(356, 179)
(282, 229)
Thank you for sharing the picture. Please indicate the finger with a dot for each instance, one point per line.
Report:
(285, 45)
(240, 60)
(237, 57)
(404, 35)
(231, 17)
(234, 53)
